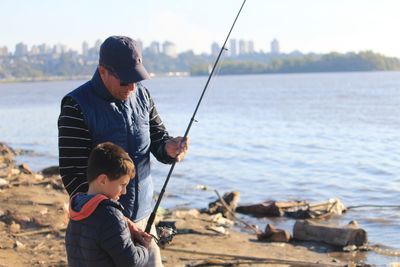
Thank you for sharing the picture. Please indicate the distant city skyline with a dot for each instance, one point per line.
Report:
(235, 47)
(308, 26)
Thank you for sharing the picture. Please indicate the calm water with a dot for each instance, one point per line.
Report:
(281, 137)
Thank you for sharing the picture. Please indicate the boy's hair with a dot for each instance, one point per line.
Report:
(111, 160)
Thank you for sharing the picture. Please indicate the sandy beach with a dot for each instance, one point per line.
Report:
(33, 218)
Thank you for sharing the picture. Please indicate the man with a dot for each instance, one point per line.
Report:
(114, 106)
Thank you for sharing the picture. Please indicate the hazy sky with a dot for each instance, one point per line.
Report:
(306, 25)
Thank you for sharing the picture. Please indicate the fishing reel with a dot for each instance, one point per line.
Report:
(165, 232)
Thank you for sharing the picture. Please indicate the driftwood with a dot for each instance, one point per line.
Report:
(318, 210)
(24, 168)
(294, 209)
(42, 231)
(224, 205)
(269, 208)
(273, 234)
(232, 213)
(50, 171)
(342, 236)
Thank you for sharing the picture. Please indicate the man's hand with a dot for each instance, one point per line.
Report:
(177, 147)
(138, 235)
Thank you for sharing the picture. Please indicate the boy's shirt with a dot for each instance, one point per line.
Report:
(98, 234)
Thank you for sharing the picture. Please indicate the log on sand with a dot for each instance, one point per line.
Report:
(351, 234)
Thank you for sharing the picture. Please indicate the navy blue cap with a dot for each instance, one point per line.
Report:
(122, 56)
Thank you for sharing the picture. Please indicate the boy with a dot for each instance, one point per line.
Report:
(98, 233)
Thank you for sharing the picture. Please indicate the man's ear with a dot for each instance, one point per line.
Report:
(102, 70)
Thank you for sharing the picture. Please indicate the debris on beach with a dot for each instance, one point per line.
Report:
(217, 229)
(269, 208)
(24, 168)
(220, 220)
(3, 183)
(273, 234)
(347, 235)
(225, 205)
(6, 154)
(32, 215)
(50, 171)
(7, 163)
(294, 209)
(318, 210)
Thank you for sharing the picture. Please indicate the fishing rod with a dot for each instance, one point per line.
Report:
(153, 214)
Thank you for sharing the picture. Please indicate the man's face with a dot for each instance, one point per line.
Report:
(116, 188)
(116, 87)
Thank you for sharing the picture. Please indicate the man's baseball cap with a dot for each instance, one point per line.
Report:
(122, 56)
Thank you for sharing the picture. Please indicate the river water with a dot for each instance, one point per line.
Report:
(271, 137)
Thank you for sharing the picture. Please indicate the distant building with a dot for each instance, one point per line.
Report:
(275, 47)
(97, 45)
(59, 49)
(140, 44)
(170, 49)
(232, 48)
(215, 48)
(3, 51)
(154, 48)
(85, 48)
(296, 53)
(21, 49)
(34, 50)
(44, 49)
(243, 47)
(250, 47)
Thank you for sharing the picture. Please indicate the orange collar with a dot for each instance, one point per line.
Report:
(87, 209)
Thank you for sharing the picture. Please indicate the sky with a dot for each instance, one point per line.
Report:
(320, 26)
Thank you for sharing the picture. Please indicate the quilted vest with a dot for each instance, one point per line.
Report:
(125, 123)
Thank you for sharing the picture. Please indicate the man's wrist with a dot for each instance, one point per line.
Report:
(165, 155)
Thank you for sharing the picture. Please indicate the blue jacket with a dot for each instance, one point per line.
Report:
(98, 234)
(125, 123)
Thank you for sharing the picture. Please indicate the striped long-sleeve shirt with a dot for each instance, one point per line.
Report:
(75, 144)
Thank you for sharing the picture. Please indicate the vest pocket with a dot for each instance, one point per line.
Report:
(111, 128)
(142, 136)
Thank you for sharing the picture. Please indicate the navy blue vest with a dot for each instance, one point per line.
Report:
(125, 123)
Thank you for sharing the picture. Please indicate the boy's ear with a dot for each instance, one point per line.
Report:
(102, 179)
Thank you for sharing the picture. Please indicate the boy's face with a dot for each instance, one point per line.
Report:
(115, 188)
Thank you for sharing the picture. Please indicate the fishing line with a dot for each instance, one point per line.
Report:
(153, 214)
(374, 206)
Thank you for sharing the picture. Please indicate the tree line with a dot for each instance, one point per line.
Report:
(69, 65)
(332, 62)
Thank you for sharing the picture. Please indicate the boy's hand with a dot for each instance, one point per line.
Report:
(138, 235)
(145, 239)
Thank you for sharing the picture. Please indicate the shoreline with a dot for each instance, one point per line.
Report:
(33, 218)
(167, 74)
(44, 79)
(81, 77)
